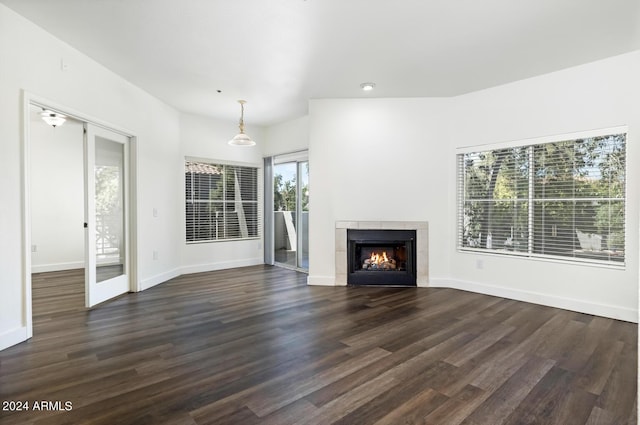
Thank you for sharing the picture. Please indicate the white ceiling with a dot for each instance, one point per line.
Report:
(277, 54)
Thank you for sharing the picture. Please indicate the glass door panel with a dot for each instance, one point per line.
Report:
(106, 232)
(109, 195)
(303, 219)
(285, 208)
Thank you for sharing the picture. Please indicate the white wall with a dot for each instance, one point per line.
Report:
(287, 137)
(31, 61)
(598, 95)
(378, 160)
(206, 138)
(57, 196)
(362, 152)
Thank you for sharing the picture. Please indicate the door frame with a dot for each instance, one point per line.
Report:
(297, 158)
(29, 99)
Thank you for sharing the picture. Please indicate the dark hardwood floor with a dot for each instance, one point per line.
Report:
(257, 346)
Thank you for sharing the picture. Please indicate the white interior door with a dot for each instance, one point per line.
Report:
(106, 214)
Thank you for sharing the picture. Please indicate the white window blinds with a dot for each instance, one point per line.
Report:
(563, 199)
(221, 202)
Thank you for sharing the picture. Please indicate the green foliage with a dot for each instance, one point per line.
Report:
(577, 184)
(108, 188)
(284, 193)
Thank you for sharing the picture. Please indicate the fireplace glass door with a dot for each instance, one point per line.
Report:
(381, 257)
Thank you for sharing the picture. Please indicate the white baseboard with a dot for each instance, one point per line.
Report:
(158, 279)
(56, 267)
(321, 280)
(198, 268)
(581, 306)
(422, 283)
(13, 337)
(209, 267)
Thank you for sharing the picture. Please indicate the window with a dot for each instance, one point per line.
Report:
(560, 199)
(221, 202)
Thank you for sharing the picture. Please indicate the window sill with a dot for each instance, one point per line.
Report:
(548, 259)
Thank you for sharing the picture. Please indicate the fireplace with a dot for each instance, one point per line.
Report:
(381, 257)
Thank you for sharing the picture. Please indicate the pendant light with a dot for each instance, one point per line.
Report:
(52, 118)
(241, 139)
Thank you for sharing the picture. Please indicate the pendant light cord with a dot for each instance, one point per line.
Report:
(241, 124)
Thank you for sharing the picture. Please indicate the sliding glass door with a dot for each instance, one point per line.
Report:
(291, 211)
(303, 190)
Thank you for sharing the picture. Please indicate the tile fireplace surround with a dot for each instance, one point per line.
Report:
(422, 245)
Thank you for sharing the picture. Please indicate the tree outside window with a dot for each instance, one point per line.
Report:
(546, 199)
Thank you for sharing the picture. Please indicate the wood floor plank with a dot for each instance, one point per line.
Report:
(602, 417)
(491, 358)
(584, 347)
(346, 403)
(290, 414)
(615, 396)
(286, 392)
(505, 399)
(414, 409)
(395, 396)
(256, 345)
(457, 408)
(596, 373)
(542, 403)
(573, 407)
(362, 376)
(479, 344)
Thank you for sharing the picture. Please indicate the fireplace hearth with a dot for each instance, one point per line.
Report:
(382, 257)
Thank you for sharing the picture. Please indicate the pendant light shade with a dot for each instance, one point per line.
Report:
(241, 139)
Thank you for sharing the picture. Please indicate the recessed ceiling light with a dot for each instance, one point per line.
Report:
(367, 86)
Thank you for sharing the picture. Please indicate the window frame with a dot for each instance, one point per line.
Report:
(531, 198)
(257, 169)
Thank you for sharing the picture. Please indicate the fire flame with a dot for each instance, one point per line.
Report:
(378, 258)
